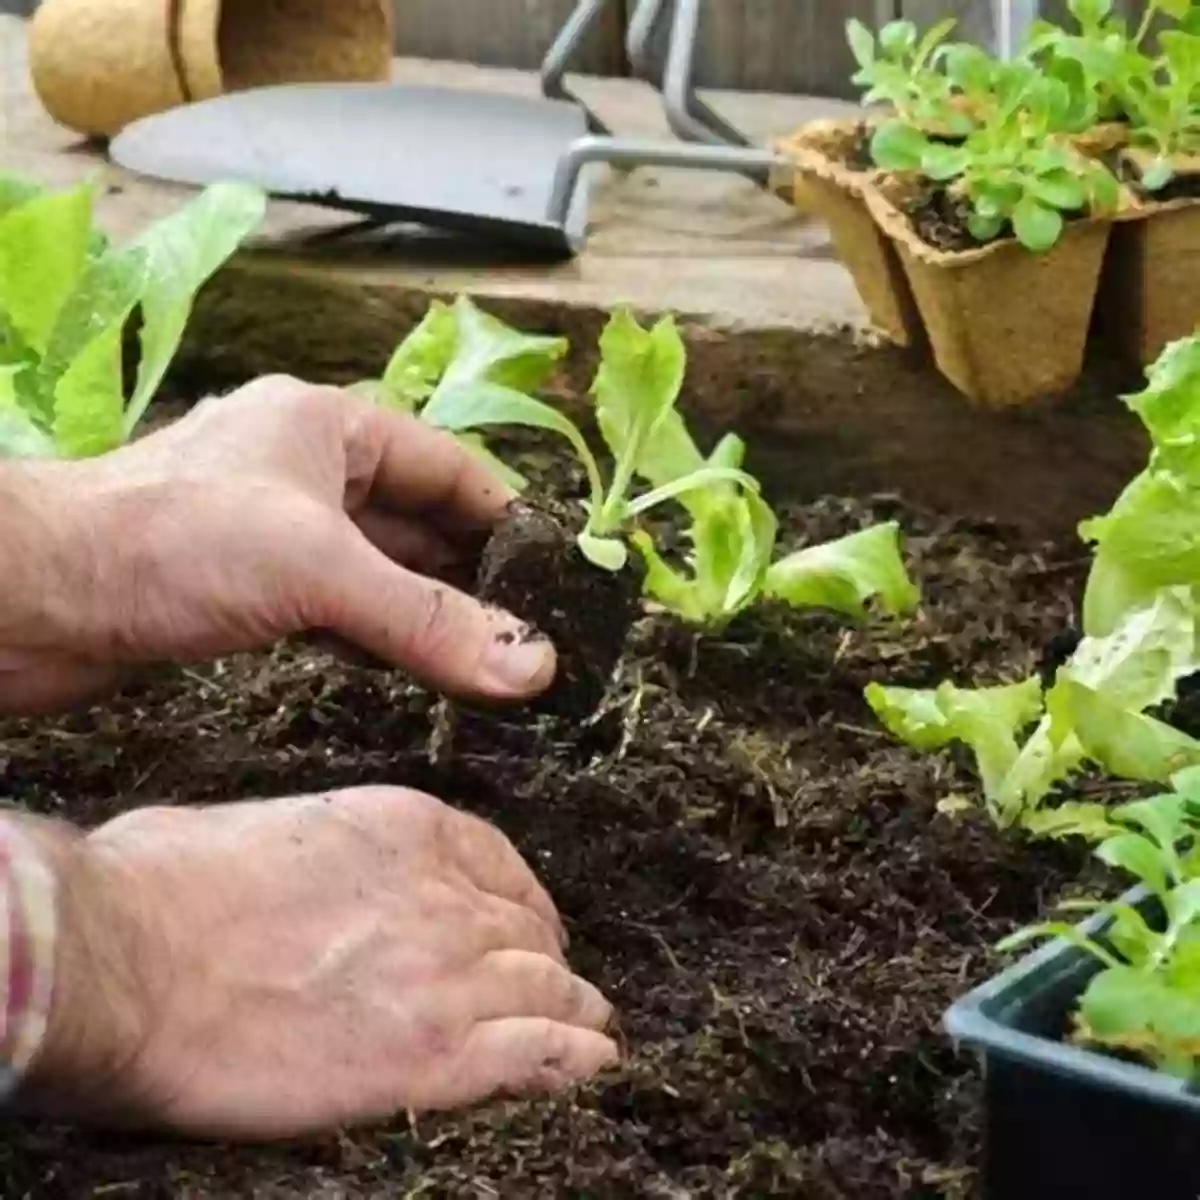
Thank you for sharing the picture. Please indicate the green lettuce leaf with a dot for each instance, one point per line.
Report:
(733, 541)
(847, 574)
(1134, 668)
(20, 435)
(483, 350)
(183, 252)
(1127, 744)
(420, 360)
(987, 720)
(636, 387)
(43, 253)
(1150, 539)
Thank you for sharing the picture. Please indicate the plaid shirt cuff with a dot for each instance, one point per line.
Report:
(28, 928)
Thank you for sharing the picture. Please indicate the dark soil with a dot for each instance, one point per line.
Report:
(941, 218)
(1183, 185)
(749, 867)
(858, 151)
(533, 568)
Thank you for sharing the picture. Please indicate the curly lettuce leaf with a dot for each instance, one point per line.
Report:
(183, 252)
(1095, 711)
(987, 720)
(43, 254)
(636, 388)
(1097, 702)
(476, 347)
(453, 348)
(1150, 539)
(847, 575)
(20, 435)
(420, 361)
(1126, 743)
(733, 541)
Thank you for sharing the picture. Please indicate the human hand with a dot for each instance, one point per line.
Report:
(269, 970)
(280, 509)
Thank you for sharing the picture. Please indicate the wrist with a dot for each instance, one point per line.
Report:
(96, 1020)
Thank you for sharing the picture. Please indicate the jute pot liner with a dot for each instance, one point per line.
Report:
(1101, 139)
(1006, 326)
(99, 65)
(1150, 288)
(238, 44)
(824, 185)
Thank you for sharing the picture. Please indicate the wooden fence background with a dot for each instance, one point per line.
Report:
(774, 45)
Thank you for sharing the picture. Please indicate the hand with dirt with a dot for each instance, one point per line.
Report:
(278, 510)
(267, 970)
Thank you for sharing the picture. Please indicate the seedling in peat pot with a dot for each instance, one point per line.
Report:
(1165, 110)
(901, 70)
(1100, 61)
(1146, 999)
(66, 297)
(1011, 174)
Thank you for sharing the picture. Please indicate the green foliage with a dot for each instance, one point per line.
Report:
(459, 346)
(66, 298)
(1141, 619)
(901, 69)
(635, 392)
(1146, 997)
(731, 563)
(1165, 108)
(847, 575)
(1150, 538)
(463, 370)
(1101, 61)
(998, 134)
(1013, 172)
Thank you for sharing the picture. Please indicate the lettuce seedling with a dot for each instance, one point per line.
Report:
(1027, 741)
(732, 537)
(1100, 61)
(1141, 618)
(1165, 108)
(1146, 998)
(901, 70)
(1150, 538)
(1012, 172)
(732, 533)
(66, 297)
(460, 346)
(634, 392)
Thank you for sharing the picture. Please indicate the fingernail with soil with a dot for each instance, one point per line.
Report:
(518, 661)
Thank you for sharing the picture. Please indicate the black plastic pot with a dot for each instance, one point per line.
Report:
(1062, 1122)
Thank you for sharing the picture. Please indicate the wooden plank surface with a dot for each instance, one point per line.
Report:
(505, 33)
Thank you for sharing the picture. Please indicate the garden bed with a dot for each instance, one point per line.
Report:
(749, 866)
